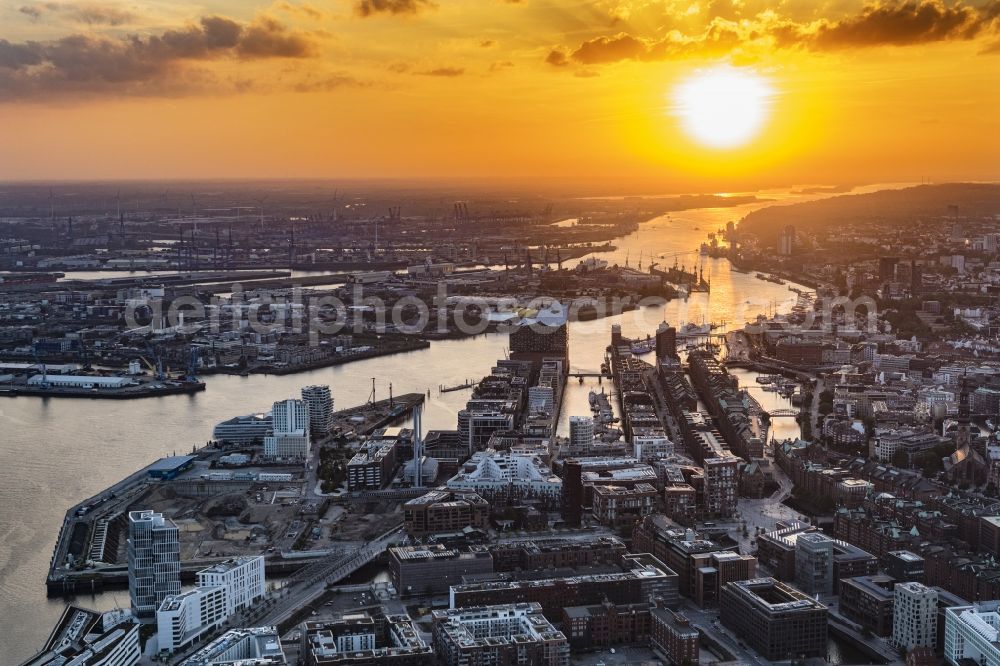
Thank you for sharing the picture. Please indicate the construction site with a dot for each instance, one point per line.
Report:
(230, 501)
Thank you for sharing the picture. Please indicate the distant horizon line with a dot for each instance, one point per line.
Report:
(843, 187)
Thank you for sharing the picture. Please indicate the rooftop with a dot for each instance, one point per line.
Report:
(170, 463)
(229, 565)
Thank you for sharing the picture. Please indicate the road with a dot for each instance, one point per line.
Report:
(652, 381)
(814, 408)
(314, 580)
(304, 588)
(707, 622)
(584, 533)
(877, 643)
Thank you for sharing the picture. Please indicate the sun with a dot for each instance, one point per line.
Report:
(723, 107)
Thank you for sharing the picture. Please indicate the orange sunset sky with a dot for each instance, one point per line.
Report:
(853, 91)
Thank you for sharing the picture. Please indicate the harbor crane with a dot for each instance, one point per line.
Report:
(194, 355)
(158, 369)
(39, 364)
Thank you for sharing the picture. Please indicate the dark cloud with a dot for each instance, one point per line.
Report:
(328, 83)
(269, 38)
(305, 9)
(893, 23)
(487, 43)
(373, 7)
(610, 49)
(137, 65)
(445, 71)
(557, 58)
(102, 15)
(34, 12)
(91, 13)
(911, 22)
(18, 56)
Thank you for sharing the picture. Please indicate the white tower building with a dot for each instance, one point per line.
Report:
(320, 404)
(914, 616)
(581, 432)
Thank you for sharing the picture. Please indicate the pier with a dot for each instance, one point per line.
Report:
(145, 390)
(458, 387)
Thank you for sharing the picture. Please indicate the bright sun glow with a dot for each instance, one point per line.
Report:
(723, 107)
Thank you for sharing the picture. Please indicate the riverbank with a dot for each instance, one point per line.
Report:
(404, 346)
(149, 390)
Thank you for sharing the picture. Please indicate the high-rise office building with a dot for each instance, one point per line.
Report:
(666, 341)
(154, 561)
(319, 402)
(721, 483)
(786, 241)
(814, 563)
(581, 432)
(957, 230)
(887, 269)
(916, 277)
(914, 616)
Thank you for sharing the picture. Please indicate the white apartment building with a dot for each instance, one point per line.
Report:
(242, 577)
(651, 447)
(289, 439)
(290, 417)
(972, 632)
(541, 399)
(154, 561)
(184, 617)
(914, 616)
(288, 447)
(223, 590)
